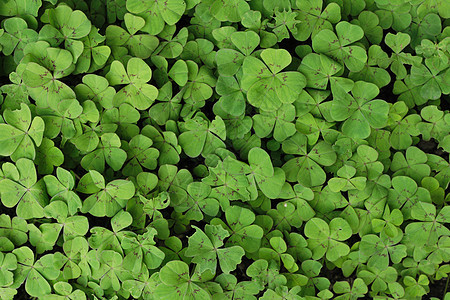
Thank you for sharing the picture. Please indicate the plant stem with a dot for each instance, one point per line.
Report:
(446, 286)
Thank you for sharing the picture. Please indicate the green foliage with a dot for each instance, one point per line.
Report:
(20, 134)
(211, 149)
(136, 92)
(205, 249)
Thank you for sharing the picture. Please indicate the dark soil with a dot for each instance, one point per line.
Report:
(431, 147)
(437, 289)
(22, 294)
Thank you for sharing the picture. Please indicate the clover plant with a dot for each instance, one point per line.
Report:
(212, 149)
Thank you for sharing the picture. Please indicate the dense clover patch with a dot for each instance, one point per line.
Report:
(224, 149)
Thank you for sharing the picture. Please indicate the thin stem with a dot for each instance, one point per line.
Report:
(76, 175)
(446, 286)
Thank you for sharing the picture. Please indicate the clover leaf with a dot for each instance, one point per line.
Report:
(234, 289)
(115, 10)
(265, 273)
(327, 239)
(268, 179)
(241, 228)
(136, 92)
(236, 126)
(44, 66)
(414, 165)
(408, 92)
(94, 55)
(229, 61)
(139, 45)
(169, 107)
(432, 77)
(48, 156)
(97, 89)
(326, 200)
(8, 263)
(109, 151)
(345, 180)
(16, 36)
(440, 165)
(105, 199)
(61, 119)
(231, 11)
(74, 260)
(432, 226)
(375, 69)
(146, 147)
(140, 154)
(104, 239)
(339, 45)
(22, 188)
(157, 14)
(397, 43)
(198, 88)
(21, 133)
(72, 225)
(179, 72)
(314, 18)
(435, 126)
(300, 196)
(228, 179)
(146, 201)
(379, 280)
(280, 122)
(285, 23)
(16, 92)
(313, 127)
(404, 127)
(68, 26)
(200, 51)
(64, 289)
(245, 41)
(285, 216)
(167, 144)
(431, 21)
(89, 139)
(13, 231)
(174, 181)
(232, 100)
(283, 292)
(141, 249)
(35, 273)
(358, 289)
(306, 168)
(252, 20)
(198, 202)
(277, 253)
(143, 284)
(360, 112)
(370, 23)
(267, 87)
(416, 288)
(176, 282)
(390, 222)
(111, 271)
(378, 250)
(205, 248)
(318, 70)
(406, 194)
(367, 163)
(311, 101)
(173, 45)
(201, 136)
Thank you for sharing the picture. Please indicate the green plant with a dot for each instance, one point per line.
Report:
(210, 149)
